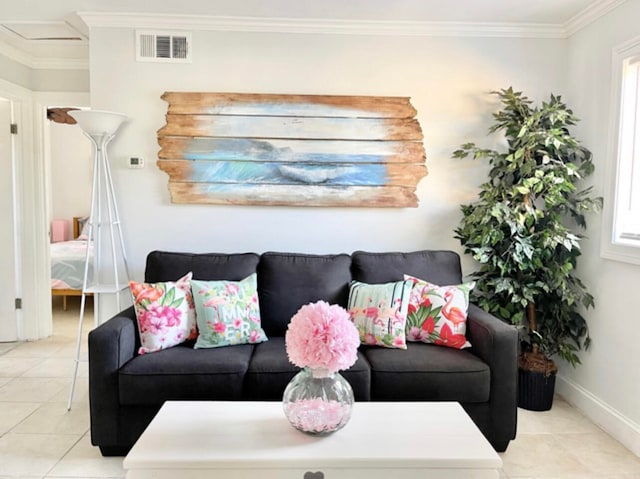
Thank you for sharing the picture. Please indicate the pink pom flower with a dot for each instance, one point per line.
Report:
(321, 335)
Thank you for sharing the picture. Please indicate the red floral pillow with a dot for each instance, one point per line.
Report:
(438, 314)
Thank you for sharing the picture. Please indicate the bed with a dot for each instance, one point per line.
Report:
(67, 264)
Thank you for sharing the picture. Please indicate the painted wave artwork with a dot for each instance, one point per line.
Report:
(283, 174)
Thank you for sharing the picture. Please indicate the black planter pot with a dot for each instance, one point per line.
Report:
(535, 390)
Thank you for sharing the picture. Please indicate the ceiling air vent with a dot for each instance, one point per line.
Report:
(174, 47)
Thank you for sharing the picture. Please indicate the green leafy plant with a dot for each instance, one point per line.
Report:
(518, 228)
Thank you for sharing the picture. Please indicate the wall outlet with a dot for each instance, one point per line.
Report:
(136, 162)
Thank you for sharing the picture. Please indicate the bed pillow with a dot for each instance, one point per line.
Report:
(438, 314)
(83, 223)
(379, 312)
(227, 312)
(165, 313)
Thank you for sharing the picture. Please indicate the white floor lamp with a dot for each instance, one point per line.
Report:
(100, 127)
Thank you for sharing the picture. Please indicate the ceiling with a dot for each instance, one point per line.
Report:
(43, 33)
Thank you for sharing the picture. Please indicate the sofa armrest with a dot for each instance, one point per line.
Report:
(496, 343)
(111, 345)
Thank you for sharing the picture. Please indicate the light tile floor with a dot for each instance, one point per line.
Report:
(40, 439)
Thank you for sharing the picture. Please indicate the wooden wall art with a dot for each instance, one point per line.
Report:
(305, 150)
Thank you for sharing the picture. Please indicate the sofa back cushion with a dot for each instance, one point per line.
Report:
(287, 281)
(438, 267)
(169, 266)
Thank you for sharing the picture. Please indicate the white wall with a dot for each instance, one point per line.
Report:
(447, 78)
(14, 72)
(607, 385)
(71, 167)
(60, 80)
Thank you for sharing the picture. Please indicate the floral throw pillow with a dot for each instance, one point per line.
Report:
(227, 312)
(165, 313)
(379, 312)
(438, 314)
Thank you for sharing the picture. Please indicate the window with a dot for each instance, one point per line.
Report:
(627, 225)
(622, 214)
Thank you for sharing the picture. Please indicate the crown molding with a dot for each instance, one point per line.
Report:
(319, 26)
(352, 27)
(36, 63)
(590, 15)
(43, 63)
(15, 54)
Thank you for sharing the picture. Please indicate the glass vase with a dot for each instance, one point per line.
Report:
(317, 401)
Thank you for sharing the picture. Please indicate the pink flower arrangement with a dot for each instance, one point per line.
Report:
(322, 336)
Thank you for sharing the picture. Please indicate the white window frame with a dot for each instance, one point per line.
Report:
(621, 221)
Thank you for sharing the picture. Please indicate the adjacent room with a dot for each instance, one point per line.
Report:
(400, 237)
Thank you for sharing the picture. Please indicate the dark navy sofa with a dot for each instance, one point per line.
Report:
(126, 389)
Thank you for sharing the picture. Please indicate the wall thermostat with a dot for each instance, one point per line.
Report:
(136, 162)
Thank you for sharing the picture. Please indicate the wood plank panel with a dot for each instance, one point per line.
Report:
(316, 151)
(252, 104)
(237, 126)
(279, 173)
(292, 195)
(307, 150)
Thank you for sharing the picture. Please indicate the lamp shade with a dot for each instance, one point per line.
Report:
(98, 122)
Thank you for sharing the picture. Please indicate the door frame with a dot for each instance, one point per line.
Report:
(9, 314)
(31, 230)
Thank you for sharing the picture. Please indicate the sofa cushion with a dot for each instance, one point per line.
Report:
(426, 372)
(184, 373)
(438, 267)
(288, 281)
(169, 266)
(270, 371)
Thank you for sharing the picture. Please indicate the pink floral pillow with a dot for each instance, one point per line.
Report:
(165, 313)
(438, 314)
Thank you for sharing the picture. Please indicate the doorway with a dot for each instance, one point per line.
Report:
(68, 158)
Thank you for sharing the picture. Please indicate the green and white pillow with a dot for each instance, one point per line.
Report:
(379, 312)
(227, 312)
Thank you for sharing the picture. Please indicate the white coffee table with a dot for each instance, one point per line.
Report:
(253, 440)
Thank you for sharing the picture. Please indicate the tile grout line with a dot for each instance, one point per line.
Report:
(15, 345)
(65, 454)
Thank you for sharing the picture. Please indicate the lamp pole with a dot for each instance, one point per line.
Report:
(100, 127)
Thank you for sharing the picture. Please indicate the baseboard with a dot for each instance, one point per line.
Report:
(613, 422)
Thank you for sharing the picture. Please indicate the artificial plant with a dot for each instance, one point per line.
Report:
(520, 229)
